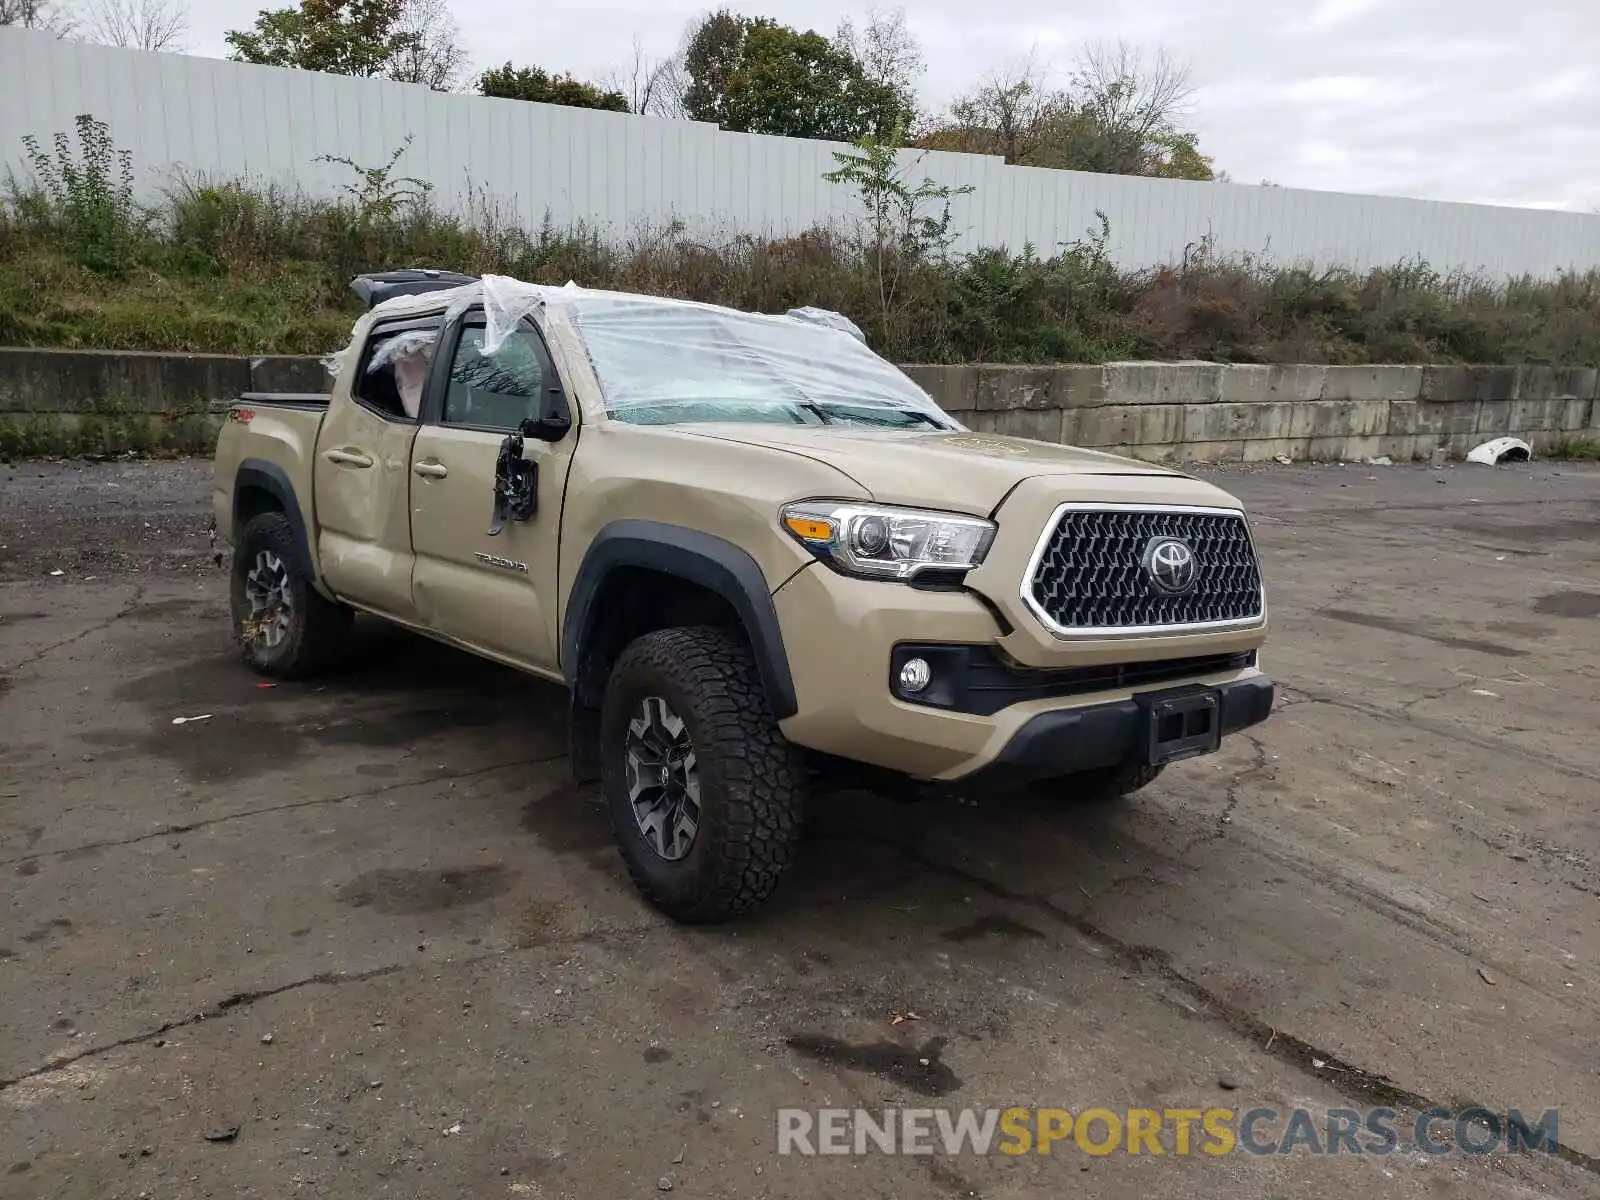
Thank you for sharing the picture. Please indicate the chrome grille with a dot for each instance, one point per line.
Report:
(1088, 577)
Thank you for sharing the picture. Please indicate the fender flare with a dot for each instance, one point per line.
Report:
(272, 479)
(711, 562)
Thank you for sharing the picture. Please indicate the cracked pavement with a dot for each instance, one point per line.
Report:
(368, 922)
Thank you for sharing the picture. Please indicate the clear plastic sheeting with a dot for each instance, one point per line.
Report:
(410, 356)
(831, 320)
(665, 361)
(414, 343)
(506, 304)
(334, 363)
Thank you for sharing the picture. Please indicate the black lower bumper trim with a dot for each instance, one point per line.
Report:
(1104, 735)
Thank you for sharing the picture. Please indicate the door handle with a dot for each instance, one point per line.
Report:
(347, 458)
(431, 470)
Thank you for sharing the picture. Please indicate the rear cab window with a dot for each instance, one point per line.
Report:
(391, 377)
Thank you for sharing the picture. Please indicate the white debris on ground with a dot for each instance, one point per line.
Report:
(1499, 450)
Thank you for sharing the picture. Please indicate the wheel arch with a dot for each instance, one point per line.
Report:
(723, 577)
(260, 486)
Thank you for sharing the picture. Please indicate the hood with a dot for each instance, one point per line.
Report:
(957, 471)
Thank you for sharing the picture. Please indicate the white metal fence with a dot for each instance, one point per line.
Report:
(227, 120)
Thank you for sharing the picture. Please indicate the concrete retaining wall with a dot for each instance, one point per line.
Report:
(82, 381)
(1209, 412)
(1183, 412)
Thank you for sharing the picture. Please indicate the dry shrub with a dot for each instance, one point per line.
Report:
(234, 267)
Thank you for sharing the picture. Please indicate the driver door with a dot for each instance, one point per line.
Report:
(494, 594)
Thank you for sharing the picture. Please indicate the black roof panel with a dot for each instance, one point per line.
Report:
(379, 286)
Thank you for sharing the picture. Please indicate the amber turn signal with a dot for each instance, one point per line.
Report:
(809, 529)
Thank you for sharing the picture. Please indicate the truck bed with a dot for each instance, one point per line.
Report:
(267, 442)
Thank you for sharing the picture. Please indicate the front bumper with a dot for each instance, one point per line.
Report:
(840, 633)
(1105, 735)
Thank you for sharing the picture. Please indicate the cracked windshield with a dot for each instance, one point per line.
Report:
(662, 364)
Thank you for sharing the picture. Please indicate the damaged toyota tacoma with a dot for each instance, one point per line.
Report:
(759, 557)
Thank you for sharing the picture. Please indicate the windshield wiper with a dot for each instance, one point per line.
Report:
(870, 417)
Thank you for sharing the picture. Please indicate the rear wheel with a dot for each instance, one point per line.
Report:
(705, 795)
(285, 627)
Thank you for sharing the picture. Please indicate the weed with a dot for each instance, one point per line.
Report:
(379, 194)
(1582, 449)
(236, 266)
(106, 427)
(88, 194)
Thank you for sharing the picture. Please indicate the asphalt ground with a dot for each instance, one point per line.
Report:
(360, 937)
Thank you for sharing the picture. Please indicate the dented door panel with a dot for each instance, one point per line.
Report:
(362, 485)
(362, 470)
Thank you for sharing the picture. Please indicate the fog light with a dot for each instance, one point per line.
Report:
(915, 674)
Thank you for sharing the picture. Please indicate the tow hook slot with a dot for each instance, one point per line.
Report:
(516, 486)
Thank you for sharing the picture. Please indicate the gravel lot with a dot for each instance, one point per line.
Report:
(367, 923)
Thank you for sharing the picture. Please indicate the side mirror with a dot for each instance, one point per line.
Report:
(551, 425)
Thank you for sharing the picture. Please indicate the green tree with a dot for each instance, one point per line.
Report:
(1178, 157)
(413, 41)
(752, 75)
(345, 37)
(1119, 115)
(711, 57)
(541, 87)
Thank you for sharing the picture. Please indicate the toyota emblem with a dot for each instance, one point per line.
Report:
(1170, 564)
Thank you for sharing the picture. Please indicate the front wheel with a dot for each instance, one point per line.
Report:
(705, 795)
(285, 627)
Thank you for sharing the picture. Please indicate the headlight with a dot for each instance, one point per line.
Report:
(888, 543)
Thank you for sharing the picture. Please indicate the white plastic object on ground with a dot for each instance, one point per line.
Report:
(1499, 450)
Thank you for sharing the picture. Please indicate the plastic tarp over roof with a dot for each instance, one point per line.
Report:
(662, 360)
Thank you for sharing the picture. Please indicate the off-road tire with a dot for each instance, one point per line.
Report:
(751, 780)
(318, 627)
(1100, 786)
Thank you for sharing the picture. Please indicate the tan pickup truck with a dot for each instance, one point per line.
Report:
(760, 558)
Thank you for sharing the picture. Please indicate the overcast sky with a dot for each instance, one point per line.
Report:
(1494, 101)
